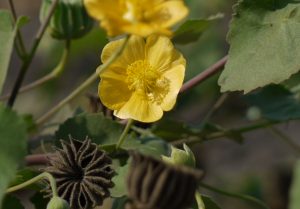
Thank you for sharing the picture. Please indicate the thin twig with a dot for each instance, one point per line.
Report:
(279, 134)
(52, 75)
(37, 159)
(212, 70)
(220, 134)
(26, 63)
(20, 48)
(214, 108)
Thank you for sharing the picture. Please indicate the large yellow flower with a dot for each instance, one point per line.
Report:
(144, 81)
(139, 17)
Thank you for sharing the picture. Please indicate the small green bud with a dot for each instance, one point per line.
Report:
(181, 157)
(57, 203)
(70, 19)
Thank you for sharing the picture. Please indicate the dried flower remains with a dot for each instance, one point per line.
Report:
(153, 184)
(83, 173)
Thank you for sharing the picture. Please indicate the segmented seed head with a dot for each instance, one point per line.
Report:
(83, 173)
(153, 184)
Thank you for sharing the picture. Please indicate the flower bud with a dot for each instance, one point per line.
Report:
(253, 113)
(69, 20)
(57, 203)
(181, 157)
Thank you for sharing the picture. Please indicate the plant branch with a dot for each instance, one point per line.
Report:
(220, 134)
(26, 62)
(247, 198)
(83, 86)
(52, 75)
(20, 48)
(212, 70)
(37, 159)
(44, 175)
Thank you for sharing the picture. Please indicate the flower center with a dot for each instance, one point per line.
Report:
(147, 81)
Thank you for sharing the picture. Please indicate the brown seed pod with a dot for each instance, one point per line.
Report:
(153, 184)
(83, 173)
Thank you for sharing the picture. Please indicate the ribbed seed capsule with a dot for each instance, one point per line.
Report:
(83, 173)
(153, 184)
(70, 19)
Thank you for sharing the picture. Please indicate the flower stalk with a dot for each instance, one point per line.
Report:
(52, 75)
(124, 134)
(44, 175)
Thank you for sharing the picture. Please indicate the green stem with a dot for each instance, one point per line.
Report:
(26, 62)
(247, 198)
(124, 134)
(44, 175)
(52, 75)
(83, 86)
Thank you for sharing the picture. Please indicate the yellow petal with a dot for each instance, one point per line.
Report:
(100, 9)
(134, 50)
(168, 13)
(113, 93)
(140, 109)
(161, 53)
(176, 77)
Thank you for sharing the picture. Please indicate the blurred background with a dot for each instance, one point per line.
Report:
(260, 166)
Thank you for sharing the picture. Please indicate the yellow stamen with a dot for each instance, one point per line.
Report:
(148, 81)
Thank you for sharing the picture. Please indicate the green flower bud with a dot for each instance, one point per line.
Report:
(58, 203)
(181, 157)
(70, 19)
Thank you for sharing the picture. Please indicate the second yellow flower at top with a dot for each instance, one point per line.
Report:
(139, 17)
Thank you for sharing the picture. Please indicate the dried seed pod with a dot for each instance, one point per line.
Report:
(153, 184)
(83, 173)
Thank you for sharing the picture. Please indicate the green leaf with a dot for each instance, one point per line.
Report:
(106, 133)
(39, 201)
(294, 200)
(25, 175)
(120, 180)
(100, 129)
(209, 203)
(264, 40)
(191, 30)
(275, 103)
(12, 146)
(11, 202)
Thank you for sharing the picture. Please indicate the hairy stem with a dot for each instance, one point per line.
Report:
(212, 70)
(124, 134)
(83, 86)
(26, 62)
(44, 175)
(52, 75)
(247, 198)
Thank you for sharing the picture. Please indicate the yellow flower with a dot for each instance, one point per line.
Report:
(139, 17)
(144, 81)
